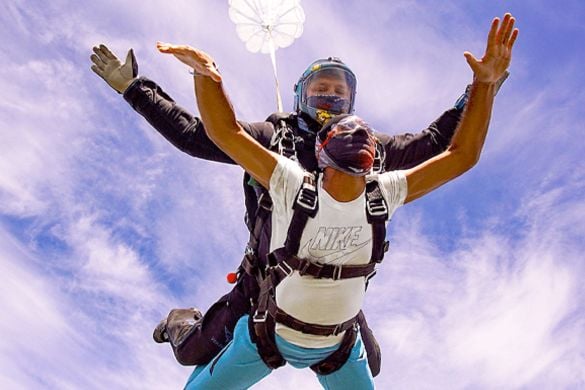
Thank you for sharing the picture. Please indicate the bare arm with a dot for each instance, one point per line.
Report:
(218, 115)
(467, 143)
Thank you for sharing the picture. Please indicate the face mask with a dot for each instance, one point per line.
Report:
(346, 144)
(330, 103)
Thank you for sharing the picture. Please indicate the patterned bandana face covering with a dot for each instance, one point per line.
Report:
(347, 144)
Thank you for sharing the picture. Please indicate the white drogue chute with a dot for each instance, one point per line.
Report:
(266, 25)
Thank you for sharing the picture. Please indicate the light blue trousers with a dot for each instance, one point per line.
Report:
(239, 366)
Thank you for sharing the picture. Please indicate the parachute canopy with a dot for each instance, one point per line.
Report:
(266, 25)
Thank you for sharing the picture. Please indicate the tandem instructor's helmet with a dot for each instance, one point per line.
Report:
(326, 88)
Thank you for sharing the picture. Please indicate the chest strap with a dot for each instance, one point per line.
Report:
(286, 264)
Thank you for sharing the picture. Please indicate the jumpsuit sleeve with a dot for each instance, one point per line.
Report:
(408, 150)
(178, 126)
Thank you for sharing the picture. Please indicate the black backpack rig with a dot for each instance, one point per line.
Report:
(283, 261)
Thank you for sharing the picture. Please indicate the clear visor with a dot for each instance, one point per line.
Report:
(330, 82)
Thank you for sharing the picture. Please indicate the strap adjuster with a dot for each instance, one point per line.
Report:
(376, 207)
(284, 267)
(259, 317)
(337, 330)
(302, 270)
(307, 198)
(337, 272)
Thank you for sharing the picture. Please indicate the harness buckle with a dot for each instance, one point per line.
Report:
(337, 272)
(302, 270)
(259, 317)
(285, 267)
(307, 198)
(376, 207)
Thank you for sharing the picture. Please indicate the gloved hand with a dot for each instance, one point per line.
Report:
(106, 65)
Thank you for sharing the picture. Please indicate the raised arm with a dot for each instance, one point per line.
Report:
(219, 117)
(182, 129)
(467, 143)
(407, 150)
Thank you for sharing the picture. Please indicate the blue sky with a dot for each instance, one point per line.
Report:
(104, 226)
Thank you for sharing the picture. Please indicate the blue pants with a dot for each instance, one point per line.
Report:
(239, 366)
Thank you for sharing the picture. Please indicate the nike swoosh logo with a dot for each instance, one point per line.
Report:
(333, 254)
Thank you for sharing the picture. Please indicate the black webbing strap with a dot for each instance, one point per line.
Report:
(286, 319)
(305, 207)
(377, 215)
(262, 327)
(338, 357)
(286, 264)
(250, 263)
(379, 158)
(283, 139)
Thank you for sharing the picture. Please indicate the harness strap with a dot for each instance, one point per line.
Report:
(285, 265)
(286, 319)
(305, 207)
(379, 158)
(338, 357)
(283, 139)
(377, 215)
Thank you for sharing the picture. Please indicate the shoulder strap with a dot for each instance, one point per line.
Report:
(377, 215)
(379, 158)
(283, 139)
(305, 207)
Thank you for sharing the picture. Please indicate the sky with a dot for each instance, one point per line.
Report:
(105, 226)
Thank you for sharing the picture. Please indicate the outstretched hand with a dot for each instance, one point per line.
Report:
(498, 53)
(106, 65)
(201, 62)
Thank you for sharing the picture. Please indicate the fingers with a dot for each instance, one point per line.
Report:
(492, 35)
(503, 28)
(98, 71)
(200, 61)
(508, 27)
(513, 38)
(170, 48)
(98, 63)
(104, 49)
(104, 54)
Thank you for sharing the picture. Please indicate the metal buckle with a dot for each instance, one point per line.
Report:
(259, 317)
(308, 202)
(284, 267)
(337, 272)
(376, 207)
(337, 330)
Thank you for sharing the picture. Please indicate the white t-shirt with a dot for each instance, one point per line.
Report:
(339, 234)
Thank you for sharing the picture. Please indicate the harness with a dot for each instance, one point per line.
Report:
(282, 262)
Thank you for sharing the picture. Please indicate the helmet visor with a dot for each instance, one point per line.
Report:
(330, 89)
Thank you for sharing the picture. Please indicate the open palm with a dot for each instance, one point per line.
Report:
(498, 54)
